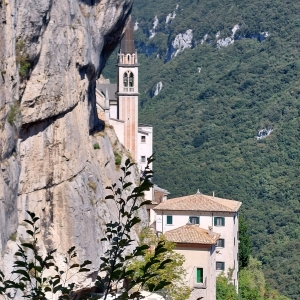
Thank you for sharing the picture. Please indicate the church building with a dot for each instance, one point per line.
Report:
(117, 104)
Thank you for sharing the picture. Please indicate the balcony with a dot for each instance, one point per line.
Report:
(200, 285)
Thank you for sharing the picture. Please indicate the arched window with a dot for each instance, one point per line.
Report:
(125, 78)
(128, 58)
(130, 79)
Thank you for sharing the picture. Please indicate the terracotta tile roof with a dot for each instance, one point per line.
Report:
(192, 234)
(200, 202)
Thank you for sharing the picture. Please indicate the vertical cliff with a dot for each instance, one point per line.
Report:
(51, 53)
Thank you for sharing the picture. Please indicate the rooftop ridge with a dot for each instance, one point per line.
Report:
(192, 234)
(200, 202)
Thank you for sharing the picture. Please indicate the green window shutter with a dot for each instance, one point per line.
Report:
(169, 219)
(194, 220)
(199, 275)
(223, 221)
(223, 243)
(215, 221)
(223, 266)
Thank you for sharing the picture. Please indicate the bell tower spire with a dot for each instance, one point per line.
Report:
(127, 88)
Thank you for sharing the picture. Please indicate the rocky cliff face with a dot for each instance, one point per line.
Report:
(51, 54)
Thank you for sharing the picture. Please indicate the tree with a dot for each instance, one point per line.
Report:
(244, 245)
(31, 276)
(173, 271)
(225, 290)
(252, 284)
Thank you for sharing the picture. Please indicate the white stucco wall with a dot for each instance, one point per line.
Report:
(229, 232)
(113, 111)
(145, 148)
(200, 257)
(119, 128)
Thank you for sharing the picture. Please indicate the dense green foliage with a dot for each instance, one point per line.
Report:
(173, 271)
(225, 290)
(252, 285)
(244, 244)
(206, 124)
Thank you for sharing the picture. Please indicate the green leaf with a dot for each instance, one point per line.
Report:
(30, 232)
(22, 272)
(84, 270)
(27, 245)
(71, 250)
(127, 185)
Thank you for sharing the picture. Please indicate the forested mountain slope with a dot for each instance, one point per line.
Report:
(227, 116)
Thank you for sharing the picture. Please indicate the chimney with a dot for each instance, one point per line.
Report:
(210, 231)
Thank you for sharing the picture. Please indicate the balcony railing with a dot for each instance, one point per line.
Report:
(200, 285)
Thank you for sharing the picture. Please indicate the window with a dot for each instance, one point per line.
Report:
(194, 220)
(220, 243)
(199, 275)
(219, 221)
(169, 220)
(128, 58)
(143, 139)
(220, 265)
(143, 159)
(125, 78)
(131, 79)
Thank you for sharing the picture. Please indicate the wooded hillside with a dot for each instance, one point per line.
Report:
(214, 105)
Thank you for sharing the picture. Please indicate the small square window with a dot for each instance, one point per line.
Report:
(220, 243)
(143, 139)
(169, 220)
(219, 221)
(143, 159)
(220, 265)
(194, 220)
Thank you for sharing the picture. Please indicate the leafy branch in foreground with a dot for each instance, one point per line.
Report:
(36, 277)
(118, 235)
(32, 275)
(173, 271)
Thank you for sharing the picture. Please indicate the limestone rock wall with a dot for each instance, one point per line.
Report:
(51, 53)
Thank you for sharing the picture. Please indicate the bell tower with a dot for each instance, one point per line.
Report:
(127, 89)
